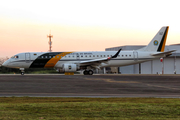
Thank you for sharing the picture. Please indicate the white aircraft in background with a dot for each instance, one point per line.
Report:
(73, 61)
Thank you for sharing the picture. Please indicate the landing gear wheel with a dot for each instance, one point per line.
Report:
(22, 71)
(85, 72)
(90, 72)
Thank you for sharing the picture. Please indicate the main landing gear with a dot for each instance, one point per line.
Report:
(88, 72)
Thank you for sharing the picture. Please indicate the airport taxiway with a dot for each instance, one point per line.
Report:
(90, 86)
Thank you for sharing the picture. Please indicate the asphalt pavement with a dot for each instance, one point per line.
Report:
(160, 86)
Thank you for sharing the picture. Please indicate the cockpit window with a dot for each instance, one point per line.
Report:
(16, 56)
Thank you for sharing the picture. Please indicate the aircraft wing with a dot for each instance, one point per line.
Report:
(98, 61)
(163, 53)
(94, 62)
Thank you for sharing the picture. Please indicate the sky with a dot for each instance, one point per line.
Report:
(84, 25)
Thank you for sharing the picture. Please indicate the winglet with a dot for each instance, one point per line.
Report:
(114, 56)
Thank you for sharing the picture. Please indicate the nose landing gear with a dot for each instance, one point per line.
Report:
(22, 71)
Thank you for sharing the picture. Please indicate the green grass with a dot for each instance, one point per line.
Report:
(29, 108)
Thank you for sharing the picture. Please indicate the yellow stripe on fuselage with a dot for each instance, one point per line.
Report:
(52, 62)
(164, 42)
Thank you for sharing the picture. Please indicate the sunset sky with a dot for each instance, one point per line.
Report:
(84, 25)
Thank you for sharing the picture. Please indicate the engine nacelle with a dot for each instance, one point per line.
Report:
(70, 68)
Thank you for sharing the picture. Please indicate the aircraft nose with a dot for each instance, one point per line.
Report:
(5, 64)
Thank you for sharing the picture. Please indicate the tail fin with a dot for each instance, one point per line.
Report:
(157, 44)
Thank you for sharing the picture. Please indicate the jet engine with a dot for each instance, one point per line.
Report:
(70, 68)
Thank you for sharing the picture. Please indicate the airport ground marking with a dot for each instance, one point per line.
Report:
(163, 87)
(111, 80)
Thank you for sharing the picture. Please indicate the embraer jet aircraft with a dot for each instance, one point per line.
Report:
(74, 61)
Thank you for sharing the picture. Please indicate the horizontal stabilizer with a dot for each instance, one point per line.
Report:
(163, 53)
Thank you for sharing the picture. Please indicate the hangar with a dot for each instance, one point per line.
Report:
(169, 65)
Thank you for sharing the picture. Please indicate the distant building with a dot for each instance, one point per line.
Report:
(170, 65)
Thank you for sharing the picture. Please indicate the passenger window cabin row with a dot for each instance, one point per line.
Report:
(73, 56)
(70, 56)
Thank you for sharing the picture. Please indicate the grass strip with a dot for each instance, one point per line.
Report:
(31, 108)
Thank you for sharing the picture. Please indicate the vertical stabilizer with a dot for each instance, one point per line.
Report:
(157, 44)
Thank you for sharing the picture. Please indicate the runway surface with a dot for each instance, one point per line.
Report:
(90, 86)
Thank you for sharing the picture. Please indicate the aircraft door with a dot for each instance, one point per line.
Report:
(27, 57)
(135, 53)
(77, 56)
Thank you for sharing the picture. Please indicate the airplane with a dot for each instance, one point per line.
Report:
(70, 62)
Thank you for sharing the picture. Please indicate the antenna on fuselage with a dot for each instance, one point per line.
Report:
(50, 42)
